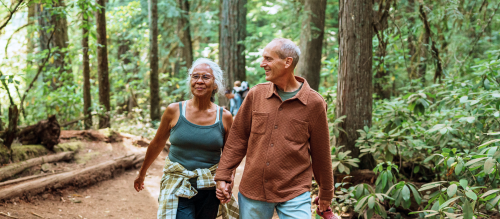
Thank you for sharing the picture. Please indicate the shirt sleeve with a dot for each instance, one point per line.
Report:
(235, 148)
(320, 155)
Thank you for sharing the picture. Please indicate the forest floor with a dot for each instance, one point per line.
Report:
(113, 198)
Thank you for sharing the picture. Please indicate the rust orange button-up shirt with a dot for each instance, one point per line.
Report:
(285, 143)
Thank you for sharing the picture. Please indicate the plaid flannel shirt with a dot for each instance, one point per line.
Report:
(175, 184)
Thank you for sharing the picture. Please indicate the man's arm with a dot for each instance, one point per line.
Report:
(236, 145)
(320, 155)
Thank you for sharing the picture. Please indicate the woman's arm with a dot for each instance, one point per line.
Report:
(157, 144)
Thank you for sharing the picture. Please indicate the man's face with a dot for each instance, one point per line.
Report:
(272, 63)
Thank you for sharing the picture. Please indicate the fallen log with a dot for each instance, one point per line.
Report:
(76, 178)
(13, 169)
(45, 132)
(23, 179)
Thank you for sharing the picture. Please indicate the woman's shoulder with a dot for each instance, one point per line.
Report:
(172, 108)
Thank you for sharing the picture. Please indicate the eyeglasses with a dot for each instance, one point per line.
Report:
(204, 77)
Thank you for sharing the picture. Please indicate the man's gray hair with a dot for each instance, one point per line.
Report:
(217, 71)
(288, 49)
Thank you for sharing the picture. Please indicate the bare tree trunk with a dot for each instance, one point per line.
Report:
(240, 74)
(184, 33)
(354, 89)
(102, 64)
(30, 36)
(56, 19)
(87, 102)
(311, 42)
(230, 57)
(153, 60)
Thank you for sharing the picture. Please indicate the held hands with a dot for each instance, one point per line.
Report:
(223, 191)
(139, 183)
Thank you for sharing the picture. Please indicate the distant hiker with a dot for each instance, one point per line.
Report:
(282, 129)
(235, 98)
(198, 129)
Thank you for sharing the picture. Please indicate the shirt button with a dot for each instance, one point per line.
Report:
(275, 127)
(267, 163)
(265, 181)
(272, 145)
(280, 109)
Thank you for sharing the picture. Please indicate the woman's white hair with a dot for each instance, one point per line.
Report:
(217, 71)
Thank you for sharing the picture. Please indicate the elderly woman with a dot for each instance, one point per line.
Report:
(198, 129)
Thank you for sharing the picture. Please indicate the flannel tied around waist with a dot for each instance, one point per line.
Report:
(175, 184)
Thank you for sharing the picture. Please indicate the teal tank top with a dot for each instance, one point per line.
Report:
(196, 146)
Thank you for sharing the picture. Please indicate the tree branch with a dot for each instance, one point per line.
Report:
(7, 88)
(11, 13)
(439, 69)
(40, 68)
(8, 40)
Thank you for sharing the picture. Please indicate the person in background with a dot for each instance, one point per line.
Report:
(198, 129)
(282, 129)
(235, 98)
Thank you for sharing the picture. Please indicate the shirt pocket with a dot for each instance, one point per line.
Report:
(298, 131)
(259, 122)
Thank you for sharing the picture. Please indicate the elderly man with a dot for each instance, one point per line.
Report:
(282, 128)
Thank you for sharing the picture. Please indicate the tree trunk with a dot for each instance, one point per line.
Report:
(240, 74)
(184, 33)
(15, 168)
(102, 64)
(31, 34)
(354, 89)
(153, 60)
(11, 132)
(231, 55)
(410, 9)
(54, 18)
(87, 98)
(311, 42)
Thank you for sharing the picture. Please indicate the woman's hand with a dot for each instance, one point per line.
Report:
(139, 183)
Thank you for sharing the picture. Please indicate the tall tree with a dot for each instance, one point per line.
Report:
(29, 37)
(231, 35)
(311, 41)
(87, 103)
(354, 88)
(153, 60)
(185, 51)
(53, 19)
(102, 64)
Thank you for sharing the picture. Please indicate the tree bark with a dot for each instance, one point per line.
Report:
(54, 18)
(184, 33)
(153, 60)
(76, 178)
(231, 54)
(45, 132)
(240, 74)
(11, 132)
(87, 98)
(311, 42)
(30, 35)
(13, 169)
(354, 89)
(102, 64)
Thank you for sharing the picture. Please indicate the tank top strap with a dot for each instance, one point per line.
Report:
(217, 117)
(183, 108)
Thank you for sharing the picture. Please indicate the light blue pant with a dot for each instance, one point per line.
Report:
(297, 208)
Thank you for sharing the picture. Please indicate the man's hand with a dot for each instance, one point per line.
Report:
(323, 205)
(223, 191)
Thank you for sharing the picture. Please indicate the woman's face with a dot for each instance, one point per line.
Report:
(202, 81)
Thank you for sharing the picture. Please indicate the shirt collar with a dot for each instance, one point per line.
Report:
(302, 95)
